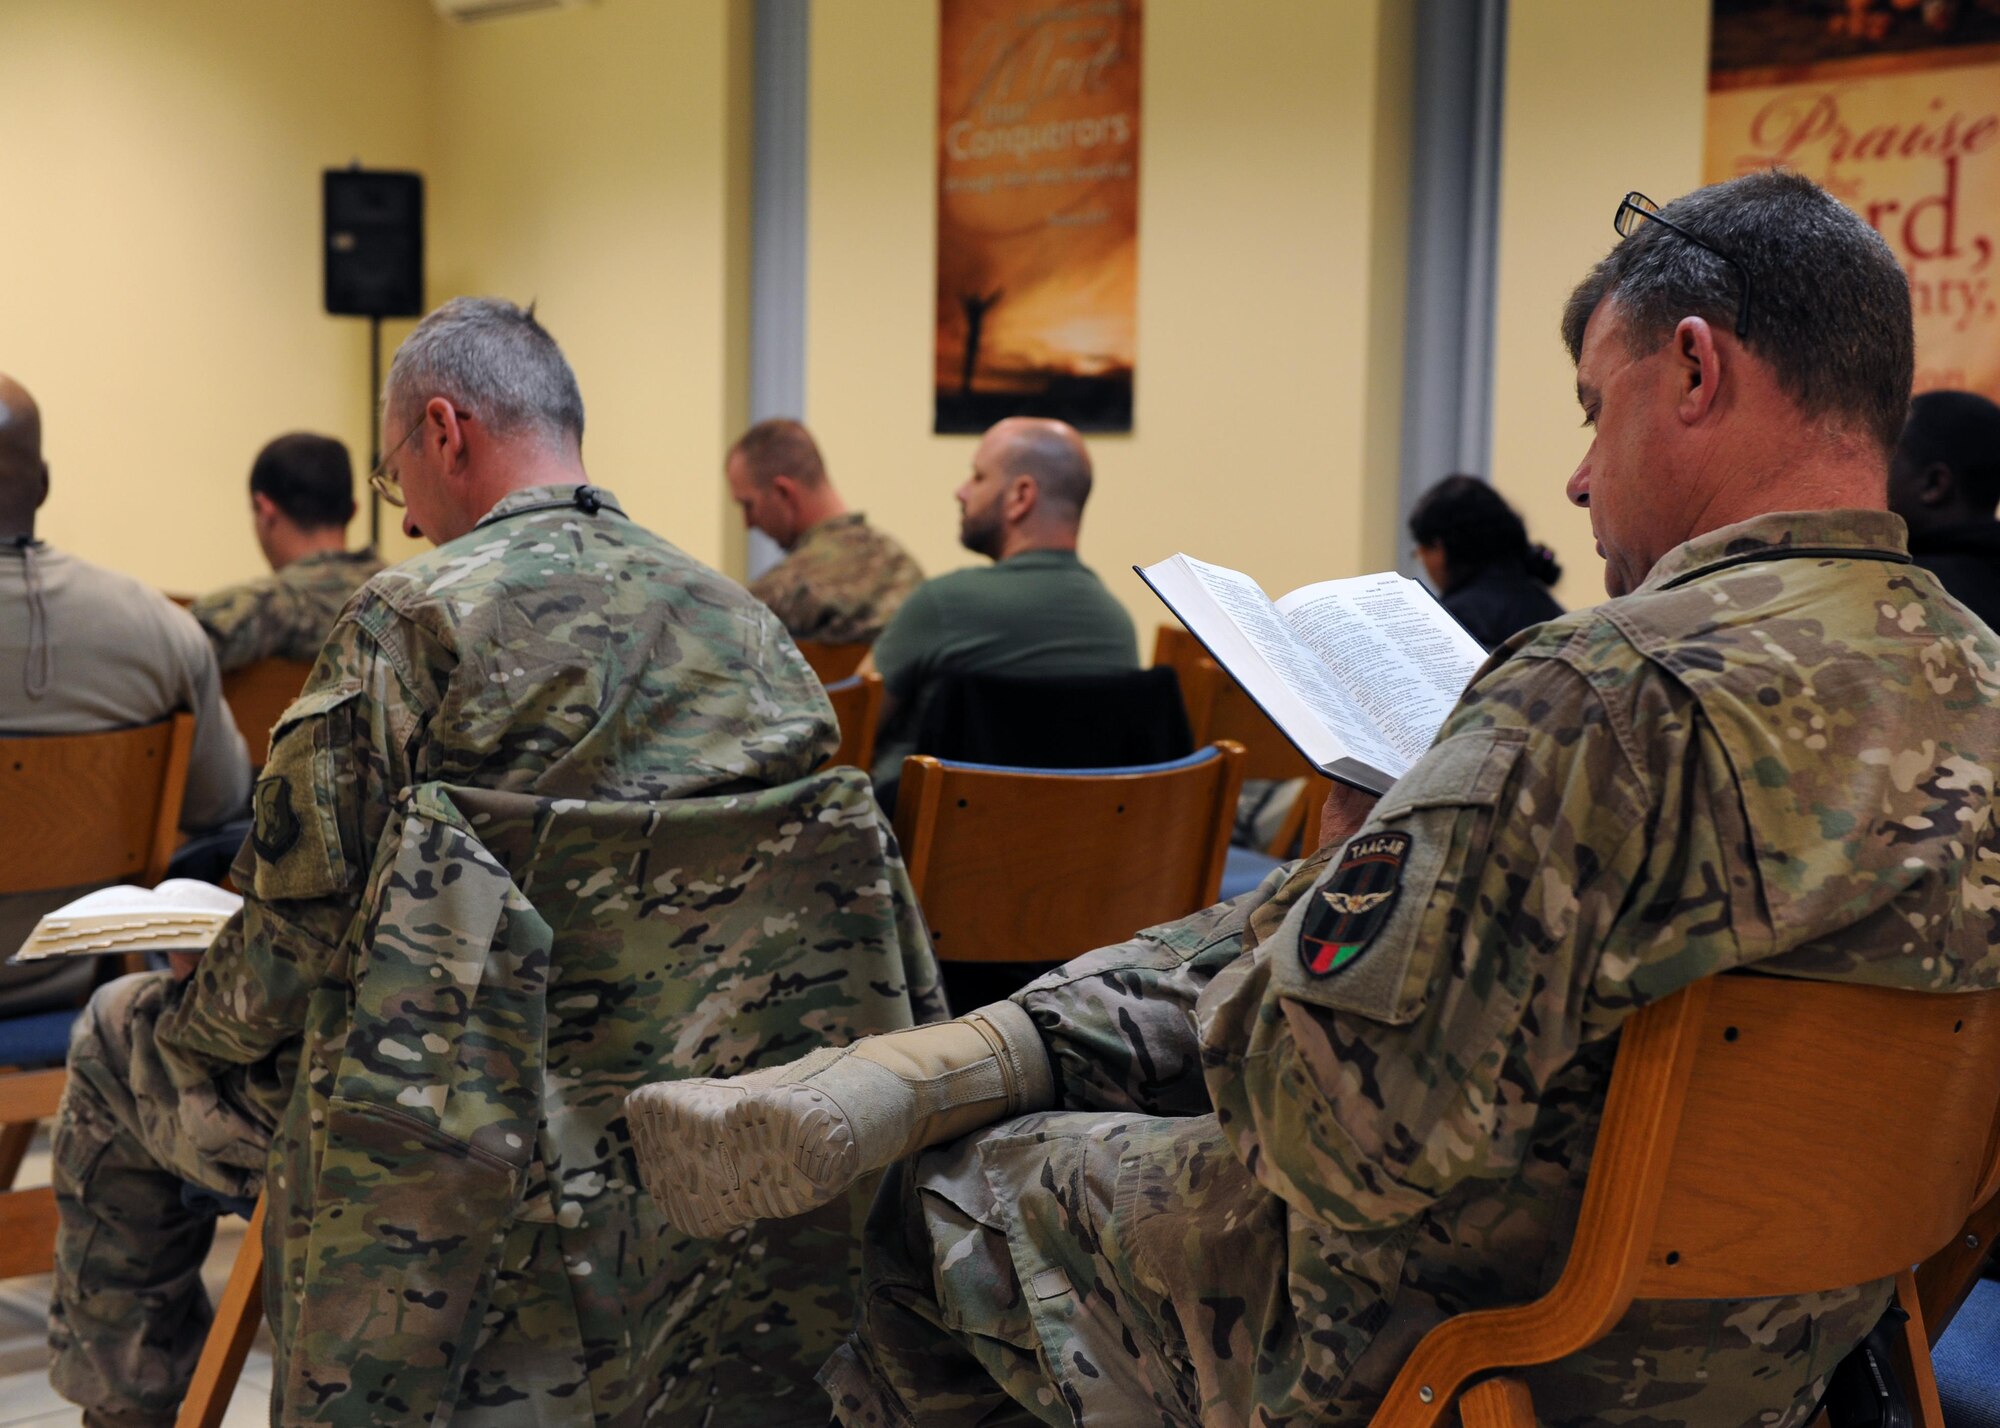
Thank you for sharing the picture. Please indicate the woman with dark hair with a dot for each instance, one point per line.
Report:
(1476, 551)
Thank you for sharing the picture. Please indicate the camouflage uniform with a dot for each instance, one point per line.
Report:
(841, 583)
(556, 650)
(286, 614)
(1295, 1132)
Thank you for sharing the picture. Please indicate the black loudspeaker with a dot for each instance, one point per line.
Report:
(374, 243)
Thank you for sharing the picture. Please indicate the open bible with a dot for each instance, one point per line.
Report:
(1359, 674)
(180, 915)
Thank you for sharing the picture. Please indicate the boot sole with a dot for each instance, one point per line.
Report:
(716, 1157)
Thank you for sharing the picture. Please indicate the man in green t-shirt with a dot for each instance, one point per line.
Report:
(1036, 613)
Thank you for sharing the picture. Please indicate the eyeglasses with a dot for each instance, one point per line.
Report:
(387, 484)
(1636, 206)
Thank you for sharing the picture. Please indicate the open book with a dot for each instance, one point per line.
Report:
(180, 915)
(1359, 674)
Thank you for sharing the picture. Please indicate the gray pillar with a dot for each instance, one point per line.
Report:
(777, 225)
(1454, 221)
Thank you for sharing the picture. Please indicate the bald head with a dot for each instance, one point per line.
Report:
(1030, 478)
(24, 477)
(1052, 453)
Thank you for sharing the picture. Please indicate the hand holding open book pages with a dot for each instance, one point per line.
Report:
(1359, 674)
(180, 915)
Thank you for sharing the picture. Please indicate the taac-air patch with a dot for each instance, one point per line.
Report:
(275, 829)
(1355, 902)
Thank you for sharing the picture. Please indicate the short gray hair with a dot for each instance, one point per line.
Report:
(1830, 310)
(493, 359)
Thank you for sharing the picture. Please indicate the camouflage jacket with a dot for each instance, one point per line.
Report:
(467, 1230)
(840, 583)
(557, 650)
(286, 614)
(1774, 753)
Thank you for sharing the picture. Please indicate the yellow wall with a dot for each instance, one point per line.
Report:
(1600, 99)
(584, 159)
(159, 257)
(1271, 241)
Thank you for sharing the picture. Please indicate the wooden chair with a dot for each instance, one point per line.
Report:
(257, 694)
(80, 809)
(1019, 870)
(1763, 1136)
(229, 1334)
(857, 704)
(1218, 709)
(832, 662)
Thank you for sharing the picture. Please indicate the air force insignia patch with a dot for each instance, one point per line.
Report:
(276, 827)
(1347, 912)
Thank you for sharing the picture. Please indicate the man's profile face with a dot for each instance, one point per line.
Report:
(980, 524)
(427, 513)
(762, 510)
(1625, 478)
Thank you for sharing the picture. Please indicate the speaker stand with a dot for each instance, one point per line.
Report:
(374, 433)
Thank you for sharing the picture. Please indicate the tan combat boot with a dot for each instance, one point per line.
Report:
(717, 1154)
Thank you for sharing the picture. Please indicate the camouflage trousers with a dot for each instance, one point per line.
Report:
(1008, 1277)
(129, 1312)
(1112, 1262)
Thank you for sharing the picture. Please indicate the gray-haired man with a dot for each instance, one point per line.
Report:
(548, 647)
(1237, 1167)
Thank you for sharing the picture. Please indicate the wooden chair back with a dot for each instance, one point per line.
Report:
(1024, 866)
(857, 704)
(27, 1217)
(1762, 1136)
(832, 662)
(230, 1333)
(1219, 710)
(92, 808)
(257, 694)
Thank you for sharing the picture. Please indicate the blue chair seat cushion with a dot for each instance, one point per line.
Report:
(1967, 1361)
(38, 1040)
(1243, 869)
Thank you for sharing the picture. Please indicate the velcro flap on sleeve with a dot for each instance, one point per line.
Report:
(1369, 935)
(295, 823)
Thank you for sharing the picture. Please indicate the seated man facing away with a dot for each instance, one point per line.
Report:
(841, 578)
(1945, 482)
(301, 499)
(1036, 613)
(84, 650)
(548, 646)
(1242, 1163)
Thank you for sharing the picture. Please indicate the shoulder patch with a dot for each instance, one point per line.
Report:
(275, 829)
(1354, 904)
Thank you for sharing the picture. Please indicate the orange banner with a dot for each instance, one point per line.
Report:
(1896, 110)
(1038, 212)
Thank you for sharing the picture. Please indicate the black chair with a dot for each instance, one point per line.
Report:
(1100, 721)
(1091, 722)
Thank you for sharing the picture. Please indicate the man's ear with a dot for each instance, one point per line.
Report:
(263, 509)
(1023, 494)
(448, 434)
(787, 491)
(1698, 369)
(1937, 486)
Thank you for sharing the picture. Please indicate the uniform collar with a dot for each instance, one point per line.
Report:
(1040, 560)
(585, 500)
(828, 527)
(1784, 535)
(333, 557)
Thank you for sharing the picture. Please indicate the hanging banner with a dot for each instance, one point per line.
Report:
(1038, 212)
(1895, 109)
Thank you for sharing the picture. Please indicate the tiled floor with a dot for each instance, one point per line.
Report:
(27, 1401)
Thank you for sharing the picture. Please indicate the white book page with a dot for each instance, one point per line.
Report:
(1294, 663)
(175, 895)
(1404, 659)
